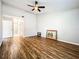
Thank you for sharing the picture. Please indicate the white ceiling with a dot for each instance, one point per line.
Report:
(51, 5)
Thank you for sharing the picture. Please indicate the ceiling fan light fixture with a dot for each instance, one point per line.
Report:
(36, 8)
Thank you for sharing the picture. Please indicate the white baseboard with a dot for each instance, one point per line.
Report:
(29, 36)
(69, 42)
(0, 43)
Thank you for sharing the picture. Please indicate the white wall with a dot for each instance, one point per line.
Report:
(18, 24)
(29, 19)
(66, 22)
(0, 22)
(30, 25)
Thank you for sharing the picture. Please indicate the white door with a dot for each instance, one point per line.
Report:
(7, 28)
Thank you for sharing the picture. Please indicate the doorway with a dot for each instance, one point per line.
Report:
(12, 26)
(7, 27)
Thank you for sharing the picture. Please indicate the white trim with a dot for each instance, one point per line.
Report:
(69, 42)
(0, 43)
(29, 36)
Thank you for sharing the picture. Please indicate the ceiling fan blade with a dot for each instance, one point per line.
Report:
(41, 6)
(30, 5)
(39, 10)
(33, 9)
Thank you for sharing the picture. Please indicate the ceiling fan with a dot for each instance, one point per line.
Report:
(36, 6)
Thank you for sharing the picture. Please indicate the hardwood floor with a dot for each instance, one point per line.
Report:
(37, 48)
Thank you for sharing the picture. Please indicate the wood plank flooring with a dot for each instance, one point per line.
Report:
(37, 48)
